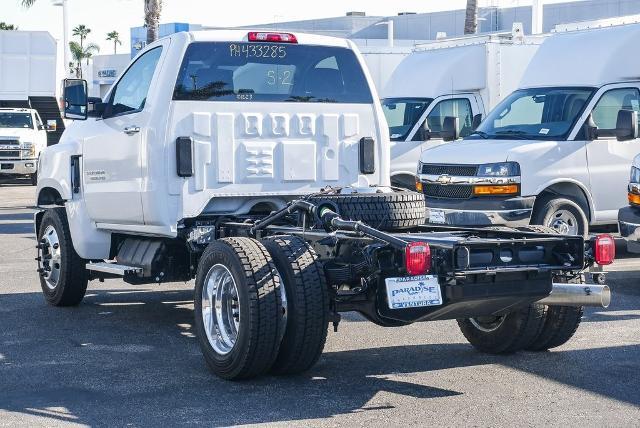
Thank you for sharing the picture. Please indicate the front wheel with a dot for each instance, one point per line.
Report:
(563, 215)
(238, 308)
(63, 275)
(504, 334)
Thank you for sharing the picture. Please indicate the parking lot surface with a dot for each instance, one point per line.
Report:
(127, 356)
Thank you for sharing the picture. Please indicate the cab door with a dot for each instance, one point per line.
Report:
(113, 154)
(609, 160)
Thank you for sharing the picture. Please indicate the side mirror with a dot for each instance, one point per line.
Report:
(590, 129)
(627, 125)
(95, 107)
(450, 128)
(475, 122)
(75, 99)
(51, 126)
(424, 133)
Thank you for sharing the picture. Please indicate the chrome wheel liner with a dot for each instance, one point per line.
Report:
(487, 324)
(221, 314)
(50, 257)
(564, 221)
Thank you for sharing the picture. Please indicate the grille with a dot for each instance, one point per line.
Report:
(460, 170)
(9, 142)
(9, 153)
(451, 191)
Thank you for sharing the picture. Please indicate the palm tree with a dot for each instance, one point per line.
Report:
(27, 3)
(82, 31)
(471, 17)
(5, 26)
(78, 53)
(115, 36)
(152, 10)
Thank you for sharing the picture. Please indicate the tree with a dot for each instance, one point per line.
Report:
(152, 10)
(81, 31)
(115, 36)
(78, 53)
(471, 17)
(5, 26)
(27, 3)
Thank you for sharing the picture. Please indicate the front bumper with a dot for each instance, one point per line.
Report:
(18, 167)
(480, 211)
(629, 225)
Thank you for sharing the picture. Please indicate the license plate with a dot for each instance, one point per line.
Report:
(413, 292)
(6, 166)
(436, 216)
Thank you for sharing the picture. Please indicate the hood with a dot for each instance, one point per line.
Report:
(16, 132)
(487, 151)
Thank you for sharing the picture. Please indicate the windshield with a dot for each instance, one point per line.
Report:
(402, 114)
(535, 114)
(272, 72)
(15, 120)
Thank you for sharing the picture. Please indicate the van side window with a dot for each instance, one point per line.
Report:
(130, 94)
(605, 113)
(455, 107)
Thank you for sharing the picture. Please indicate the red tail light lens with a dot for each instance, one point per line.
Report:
(258, 36)
(605, 249)
(417, 258)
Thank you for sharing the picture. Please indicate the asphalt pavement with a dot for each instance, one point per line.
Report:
(128, 356)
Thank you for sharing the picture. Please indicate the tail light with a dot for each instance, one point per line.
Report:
(258, 36)
(605, 249)
(417, 258)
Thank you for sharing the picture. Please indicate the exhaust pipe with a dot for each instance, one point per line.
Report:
(563, 294)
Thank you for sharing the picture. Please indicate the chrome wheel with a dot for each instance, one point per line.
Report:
(50, 257)
(564, 221)
(487, 324)
(221, 309)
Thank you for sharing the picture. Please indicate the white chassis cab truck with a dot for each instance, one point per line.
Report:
(22, 137)
(557, 151)
(257, 163)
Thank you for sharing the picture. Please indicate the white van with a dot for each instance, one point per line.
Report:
(463, 77)
(557, 151)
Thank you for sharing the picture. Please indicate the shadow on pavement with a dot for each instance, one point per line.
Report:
(130, 355)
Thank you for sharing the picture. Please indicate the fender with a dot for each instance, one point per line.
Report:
(579, 184)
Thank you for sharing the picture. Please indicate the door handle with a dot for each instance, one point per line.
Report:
(130, 130)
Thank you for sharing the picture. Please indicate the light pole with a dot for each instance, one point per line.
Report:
(65, 31)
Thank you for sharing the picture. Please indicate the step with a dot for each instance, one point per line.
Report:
(114, 268)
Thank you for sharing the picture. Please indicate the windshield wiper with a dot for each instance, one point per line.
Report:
(518, 135)
(481, 134)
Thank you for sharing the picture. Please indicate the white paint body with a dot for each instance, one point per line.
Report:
(600, 168)
(482, 69)
(245, 153)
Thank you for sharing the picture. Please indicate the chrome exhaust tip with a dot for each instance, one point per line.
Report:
(563, 294)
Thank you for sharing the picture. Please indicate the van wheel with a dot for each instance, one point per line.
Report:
(504, 334)
(63, 273)
(306, 313)
(560, 324)
(237, 308)
(561, 214)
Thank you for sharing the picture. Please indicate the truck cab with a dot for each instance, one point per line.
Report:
(436, 81)
(22, 137)
(557, 151)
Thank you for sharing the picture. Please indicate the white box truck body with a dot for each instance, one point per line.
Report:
(463, 77)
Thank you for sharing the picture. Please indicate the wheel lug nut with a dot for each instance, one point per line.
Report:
(56, 246)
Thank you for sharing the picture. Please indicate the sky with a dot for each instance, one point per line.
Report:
(103, 16)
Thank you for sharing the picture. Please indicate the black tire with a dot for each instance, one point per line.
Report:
(71, 284)
(34, 179)
(560, 324)
(513, 332)
(307, 303)
(258, 332)
(384, 211)
(548, 207)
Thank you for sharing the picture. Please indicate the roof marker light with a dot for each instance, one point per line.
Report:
(259, 36)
